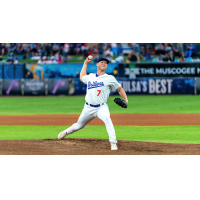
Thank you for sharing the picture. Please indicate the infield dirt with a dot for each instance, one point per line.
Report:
(96, 146)
(117, 119)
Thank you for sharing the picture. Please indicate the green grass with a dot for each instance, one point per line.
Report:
(81, 59)
(162, 134)
(74, 104)
(75, 59)
(41, 105)
(27, 60)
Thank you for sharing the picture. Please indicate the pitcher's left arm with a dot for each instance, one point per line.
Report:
(122, 94)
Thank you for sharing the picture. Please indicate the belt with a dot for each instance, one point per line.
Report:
(94, 105)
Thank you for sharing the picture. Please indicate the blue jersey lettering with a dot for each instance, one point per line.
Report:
(95, 84)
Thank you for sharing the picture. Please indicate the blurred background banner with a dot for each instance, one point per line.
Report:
(157, 86)
(13, 71)
(77, 87)
(34, 87)
(1, 71)
(197, 85)
(40, 71)
(73, 86)
(11, 87)
(58, 87)
(138, 70)
(128, 70)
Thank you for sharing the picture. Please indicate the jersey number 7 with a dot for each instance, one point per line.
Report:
(99, 92)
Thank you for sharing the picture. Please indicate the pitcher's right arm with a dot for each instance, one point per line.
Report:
(84, 69)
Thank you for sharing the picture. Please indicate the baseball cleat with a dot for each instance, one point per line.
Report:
(113, 146)
(62, 135)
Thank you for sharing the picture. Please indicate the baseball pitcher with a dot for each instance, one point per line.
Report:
(98, 91)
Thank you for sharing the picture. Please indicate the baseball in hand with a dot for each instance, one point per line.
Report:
(90, 57)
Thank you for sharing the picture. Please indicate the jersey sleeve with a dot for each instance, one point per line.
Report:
(85, 79)
(114, 83)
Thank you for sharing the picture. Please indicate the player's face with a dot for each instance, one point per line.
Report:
(102, 65)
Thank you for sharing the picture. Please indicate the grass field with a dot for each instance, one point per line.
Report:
(74, 105)
(163, 134)
(74, 59)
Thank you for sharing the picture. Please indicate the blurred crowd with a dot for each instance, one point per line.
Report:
(52, 53)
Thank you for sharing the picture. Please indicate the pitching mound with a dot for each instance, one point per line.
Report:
(93, 147)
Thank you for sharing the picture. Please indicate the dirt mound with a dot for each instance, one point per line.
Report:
(93, 147)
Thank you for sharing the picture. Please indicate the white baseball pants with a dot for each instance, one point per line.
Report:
(88, 114)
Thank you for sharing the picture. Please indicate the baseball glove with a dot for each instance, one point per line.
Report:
(120, 102)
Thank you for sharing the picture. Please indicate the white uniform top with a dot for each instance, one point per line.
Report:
(98, 87)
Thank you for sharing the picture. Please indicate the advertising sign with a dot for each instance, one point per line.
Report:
(11, 87)
(34, 87)
(140, 70)
(11, 71)
(157, 85)
(1, 71)
(58, 86)
(57, 71)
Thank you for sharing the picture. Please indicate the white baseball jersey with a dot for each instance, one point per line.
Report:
(98, 87)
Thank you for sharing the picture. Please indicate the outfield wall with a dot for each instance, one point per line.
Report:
(147, 70)
(125, 70)
(135, 78)
(148, 86)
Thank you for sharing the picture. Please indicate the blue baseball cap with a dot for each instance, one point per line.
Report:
(102, 58)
